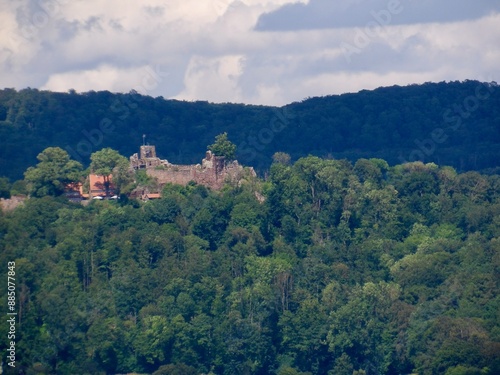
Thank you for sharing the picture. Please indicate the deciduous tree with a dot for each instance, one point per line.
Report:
(108, 162)
(223, 147)
(53, 173)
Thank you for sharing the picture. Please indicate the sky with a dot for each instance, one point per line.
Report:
(270, 52)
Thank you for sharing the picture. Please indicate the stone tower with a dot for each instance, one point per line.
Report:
(148, 152)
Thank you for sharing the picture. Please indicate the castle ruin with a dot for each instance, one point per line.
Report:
(213, 171)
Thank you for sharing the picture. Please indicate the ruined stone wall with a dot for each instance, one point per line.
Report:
(213, 178)
(212, 172)
(178, 174)
(183, 174)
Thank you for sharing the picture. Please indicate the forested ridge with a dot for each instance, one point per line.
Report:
(326, 267)
(455, 123)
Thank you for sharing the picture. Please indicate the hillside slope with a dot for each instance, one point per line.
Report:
(456, 123)
(343, 269)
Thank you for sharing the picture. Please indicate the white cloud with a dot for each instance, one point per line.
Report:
(211, 50)
(214, 79)
(143, 79)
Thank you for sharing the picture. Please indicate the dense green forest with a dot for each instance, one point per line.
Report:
(456, 124)
(343, 268)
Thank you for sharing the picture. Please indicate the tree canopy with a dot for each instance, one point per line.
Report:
(108, 162)
(53, 173)
(327, 267)
(103, 162)
(223, 147)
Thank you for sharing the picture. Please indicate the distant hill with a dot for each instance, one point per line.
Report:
(456, 123)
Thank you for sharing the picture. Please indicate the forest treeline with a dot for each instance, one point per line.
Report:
(455, 123)
(326, 267)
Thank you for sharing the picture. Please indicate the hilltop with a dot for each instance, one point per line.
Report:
(455, 123)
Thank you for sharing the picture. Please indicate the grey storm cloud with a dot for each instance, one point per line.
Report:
(325, 14)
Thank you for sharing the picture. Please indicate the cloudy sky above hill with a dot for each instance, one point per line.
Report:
(249, 51)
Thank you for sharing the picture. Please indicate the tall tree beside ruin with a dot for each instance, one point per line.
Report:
(223, 147)
(108, 162)
(54, 171)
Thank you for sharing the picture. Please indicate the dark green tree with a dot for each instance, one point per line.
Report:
(54, 172)
(223, 147)
(19, 187)
(4, 187)
(281, 158)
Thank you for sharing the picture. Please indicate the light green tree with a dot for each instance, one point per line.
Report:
(109, 163)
